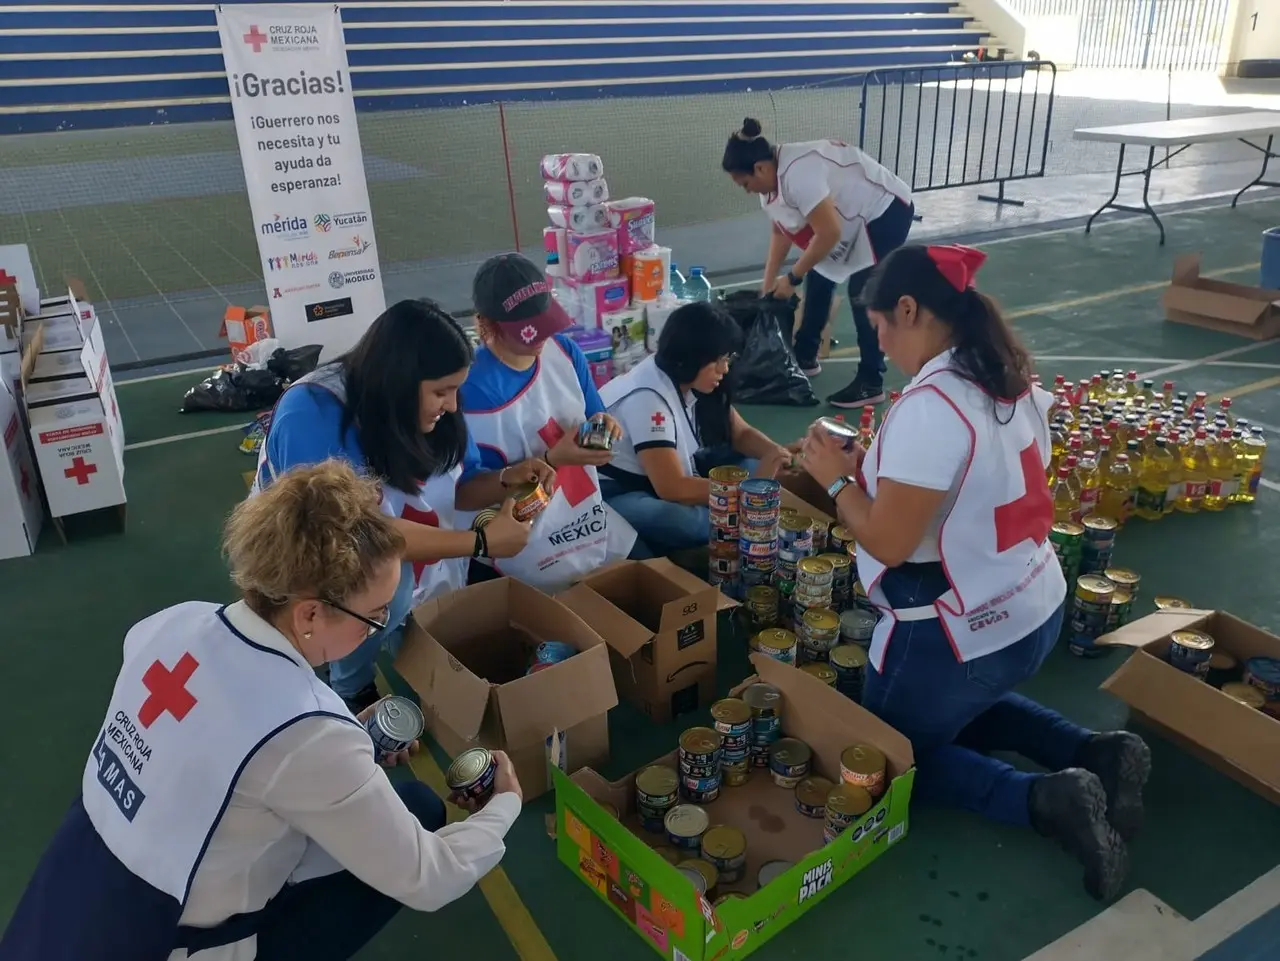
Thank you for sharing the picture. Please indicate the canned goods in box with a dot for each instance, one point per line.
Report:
(710, 876)
(685, 824)
(864, 766)
(1189, 652)
(849, 661)
(731, 717)
(1264, 674)
(694, 876)
(394, 725)
(789, 761)
(1124, 580)
(1090, 611)
(845, 804)
(822, 623)
(701, 746)
(811, 796)
(822, 671)
(530, 501)
(776, 643)
(1246, 694)
(725, 849)
(472, 774)
(765, 700)
(770, 870)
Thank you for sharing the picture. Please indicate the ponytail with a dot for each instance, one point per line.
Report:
(940, 279)
(745, 148)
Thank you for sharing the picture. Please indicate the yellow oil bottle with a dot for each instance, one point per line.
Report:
(1057, 447)
(1131, 388)
(1153, 482)
(1116, 389)
(1102, 443)
(1224, 409)
(1222, 470)
(1097, 389)
(1195, 474)
(866, 429)
(1253, 450)
(1090, 483)
(1066, 506)
(1167, 389)
(1116, 499)
(1071, 463)
(1173, 440)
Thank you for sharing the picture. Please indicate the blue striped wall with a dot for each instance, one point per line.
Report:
(128, 62)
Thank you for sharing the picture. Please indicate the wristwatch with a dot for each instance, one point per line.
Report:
(837, 485)
(794, 280)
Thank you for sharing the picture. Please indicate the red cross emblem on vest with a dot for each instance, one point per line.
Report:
(573, 480)
(167, 690)
(428, 519)
(1031, 515)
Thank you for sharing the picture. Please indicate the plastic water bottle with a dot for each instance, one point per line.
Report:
(675, 284)
(697, 287)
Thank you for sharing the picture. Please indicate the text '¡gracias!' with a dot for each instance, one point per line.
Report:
(300, 85)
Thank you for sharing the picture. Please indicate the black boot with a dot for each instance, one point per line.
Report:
(1071, 807)
(1123, 763)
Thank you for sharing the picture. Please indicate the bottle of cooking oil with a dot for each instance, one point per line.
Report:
(1173, 441)
(1066, 506)
(1253, 451)
(1090, 483)
(1057, 447)
(1148, 392)
(1195, 473)
(1102, 442)
(1167, 389)
(1224, 410)
(1201, 401)
(866, 428)
(1116, 389)
(1153, 482)
(1222, 470)
(1131, 385)
(1072, 463)
(1116, 499)
(1097, 389)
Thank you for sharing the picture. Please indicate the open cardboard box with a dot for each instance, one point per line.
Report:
(1241, 742)
(659, 622)
(616, 858)
(466, 655)
(1217, 305)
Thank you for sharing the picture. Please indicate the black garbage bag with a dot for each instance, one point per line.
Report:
(289, 365)
(238, 388)
(766, 371)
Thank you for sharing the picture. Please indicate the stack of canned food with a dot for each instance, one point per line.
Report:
(856, 626)
(762, 606)
(1100, 603)
(765, 702)
(759, 508)
(842, 577)
(795, 543)
(732, 718)
(849, 662)
(724, 563)
(1084, 547)
(700, 759)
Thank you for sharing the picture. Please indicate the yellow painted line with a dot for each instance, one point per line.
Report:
(504, 901)
(1257, 385)
(1105, 295)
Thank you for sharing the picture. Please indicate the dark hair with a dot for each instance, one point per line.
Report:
(412, 341)
(695, 335)
(986, 349)
(746, 148)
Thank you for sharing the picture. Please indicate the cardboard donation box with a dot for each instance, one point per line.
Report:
(616, 858)
(1239, 740)
(1217, 305)
(467, 655)
(243, 327)
(660, 624)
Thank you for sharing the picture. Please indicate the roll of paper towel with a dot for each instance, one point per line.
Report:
(577, 193)
(593, 256)
(572, 166)
(581, 219)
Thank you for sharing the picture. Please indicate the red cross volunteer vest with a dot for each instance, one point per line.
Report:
(577, 532)
(994, 542)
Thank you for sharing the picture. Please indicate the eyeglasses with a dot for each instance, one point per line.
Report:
(373, 626)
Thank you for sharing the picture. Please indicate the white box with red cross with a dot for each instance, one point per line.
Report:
(76, 431)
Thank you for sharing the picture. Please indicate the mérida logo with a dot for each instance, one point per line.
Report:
(815, 879)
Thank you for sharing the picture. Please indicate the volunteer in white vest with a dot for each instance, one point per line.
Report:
(527, 395)
(951, 516)
(678, 422)
(390, 407)
(844, 211)
(231, 808)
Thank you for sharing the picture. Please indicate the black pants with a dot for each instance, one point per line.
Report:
(886, 233)
(333, 917)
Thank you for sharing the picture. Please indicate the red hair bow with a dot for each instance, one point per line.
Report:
(957, 263)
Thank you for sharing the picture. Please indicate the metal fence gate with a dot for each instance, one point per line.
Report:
(1141, 34)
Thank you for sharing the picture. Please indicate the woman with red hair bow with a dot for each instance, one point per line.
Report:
(951, 515)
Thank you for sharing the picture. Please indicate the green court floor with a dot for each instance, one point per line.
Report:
(956, 887)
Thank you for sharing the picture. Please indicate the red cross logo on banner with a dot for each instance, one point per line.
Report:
(574, 481)
(167, 691)
(1031, 515)
(7, 279)
(658, 419)
(427, 519)
(80, 470)
(255, 38)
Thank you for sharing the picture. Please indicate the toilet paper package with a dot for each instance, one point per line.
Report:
(594, 300)
(592, 256)
(647, 275)
(555, 243)
(581, 219)
(633, 218)
(572, 166)
(627, 329)
(577, 193)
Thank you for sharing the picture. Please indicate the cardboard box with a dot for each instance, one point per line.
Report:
(660, 624)
(1241, 742)
(466, 654)
(17, 271)
(21, 513)
(243, 327)
(1217, 305)
(615, 858)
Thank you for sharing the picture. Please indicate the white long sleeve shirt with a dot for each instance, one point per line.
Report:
(317, 780)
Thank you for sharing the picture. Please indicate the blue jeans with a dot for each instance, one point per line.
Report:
(955, 714)
(353, 673)
(665, 526)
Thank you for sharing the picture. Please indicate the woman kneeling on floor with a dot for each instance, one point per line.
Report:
(678, 422)
(951, 515)
(231, 808)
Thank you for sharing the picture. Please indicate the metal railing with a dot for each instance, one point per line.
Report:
(960, 125)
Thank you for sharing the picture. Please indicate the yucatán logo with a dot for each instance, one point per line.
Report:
(354, 218)
(815, 879)
(357, 246)
(328, 309)
(284, 228)
(339, 279)
(324, 223)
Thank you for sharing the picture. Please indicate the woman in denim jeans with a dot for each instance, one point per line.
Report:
(951, 514)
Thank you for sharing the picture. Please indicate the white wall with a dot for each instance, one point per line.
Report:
(1257, 31)
(1005, 25)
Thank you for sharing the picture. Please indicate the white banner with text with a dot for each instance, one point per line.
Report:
(296, 122)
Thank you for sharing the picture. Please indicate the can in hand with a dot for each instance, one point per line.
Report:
(394, 725)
